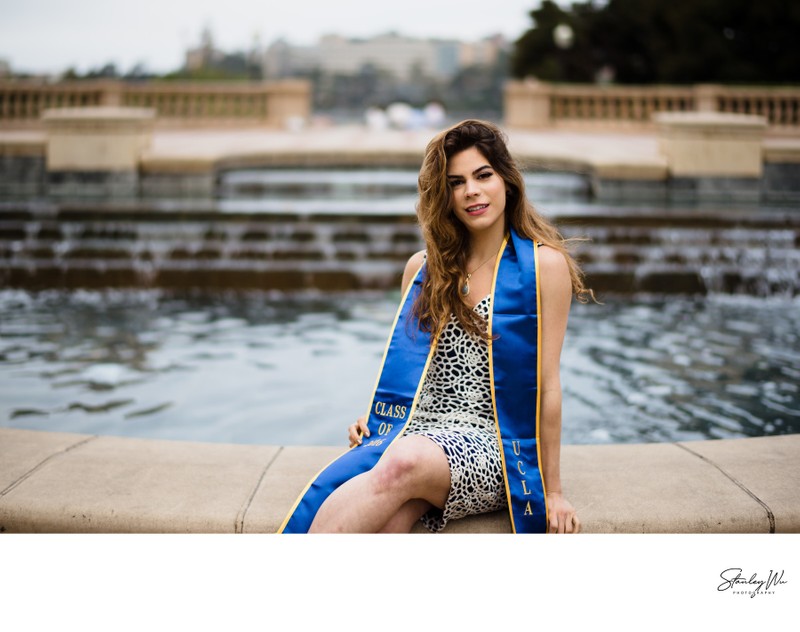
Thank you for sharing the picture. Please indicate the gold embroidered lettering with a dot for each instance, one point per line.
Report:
(515, 445)
(528, 510)
(525, 490)
(385, 428)
(390, 410)
(519, 468)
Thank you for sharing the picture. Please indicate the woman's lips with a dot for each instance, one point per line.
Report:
(476, 209)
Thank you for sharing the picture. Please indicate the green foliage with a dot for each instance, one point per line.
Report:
(664, 41)
(230, 67)
(204, 74)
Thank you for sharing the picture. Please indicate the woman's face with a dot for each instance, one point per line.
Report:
(478, 193)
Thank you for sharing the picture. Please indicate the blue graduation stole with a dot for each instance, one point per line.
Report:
(514, 367)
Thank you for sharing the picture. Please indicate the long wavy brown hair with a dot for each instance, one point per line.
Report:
(447, 239)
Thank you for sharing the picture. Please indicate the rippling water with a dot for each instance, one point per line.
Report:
(277, 369)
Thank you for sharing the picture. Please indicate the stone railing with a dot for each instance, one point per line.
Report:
(177, 104)
(534, 104)
(22, 102)
(780, 106)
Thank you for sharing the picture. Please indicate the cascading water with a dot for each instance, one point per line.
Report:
(355, 229)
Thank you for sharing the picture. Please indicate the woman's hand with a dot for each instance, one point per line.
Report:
(563, 518)
(357, 429)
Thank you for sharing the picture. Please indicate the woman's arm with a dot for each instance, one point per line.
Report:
(556, 295)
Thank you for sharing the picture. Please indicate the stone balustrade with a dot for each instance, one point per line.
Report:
(23, 102)
(780, 106)
(535, 104)
(182, 104)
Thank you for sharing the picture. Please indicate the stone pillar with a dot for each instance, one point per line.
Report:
(111, 94)
(96, 150)
(705, 97)
(288, 103)
(712, 154)
(526, 104)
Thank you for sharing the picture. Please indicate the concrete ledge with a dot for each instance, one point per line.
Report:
(97, 138)
(71, 483)
(620, 165)
(701, 144)
(23, 143)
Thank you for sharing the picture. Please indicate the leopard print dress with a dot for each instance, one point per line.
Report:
(455, 411)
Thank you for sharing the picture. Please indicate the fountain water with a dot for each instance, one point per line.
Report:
(350, 230)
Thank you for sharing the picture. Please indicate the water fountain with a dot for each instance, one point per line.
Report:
(353, 230)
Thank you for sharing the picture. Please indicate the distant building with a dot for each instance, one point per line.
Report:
(5, 69)
(281, 60)
(485, 52)
(404, 58)
(204, 55)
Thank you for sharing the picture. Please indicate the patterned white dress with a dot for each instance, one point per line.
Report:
(455, 411)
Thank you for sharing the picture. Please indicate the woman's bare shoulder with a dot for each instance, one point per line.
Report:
(552, 261)
(554, 272)
(412, 265)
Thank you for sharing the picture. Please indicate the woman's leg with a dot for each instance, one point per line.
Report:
(413, 468)
(407, 517)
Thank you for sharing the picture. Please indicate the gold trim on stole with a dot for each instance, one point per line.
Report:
(539, 382)
(491, 381)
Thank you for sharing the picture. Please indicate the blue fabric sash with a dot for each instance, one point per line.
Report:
(514, 366)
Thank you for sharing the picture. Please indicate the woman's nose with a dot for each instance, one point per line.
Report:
(471, 188)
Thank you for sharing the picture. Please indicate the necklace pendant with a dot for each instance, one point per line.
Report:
(465, 288)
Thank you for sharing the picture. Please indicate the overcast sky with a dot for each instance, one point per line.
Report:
(52, 35)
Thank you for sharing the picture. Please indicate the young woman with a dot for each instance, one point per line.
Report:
(483, 428)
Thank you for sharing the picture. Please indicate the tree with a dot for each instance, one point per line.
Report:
(665, 41)
(538, 53)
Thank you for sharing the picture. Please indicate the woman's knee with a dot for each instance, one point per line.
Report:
(396, 471)
(410, 467)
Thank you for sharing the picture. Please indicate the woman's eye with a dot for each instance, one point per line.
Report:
(484, 175)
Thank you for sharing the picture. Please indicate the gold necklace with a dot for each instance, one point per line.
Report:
(465, 287)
